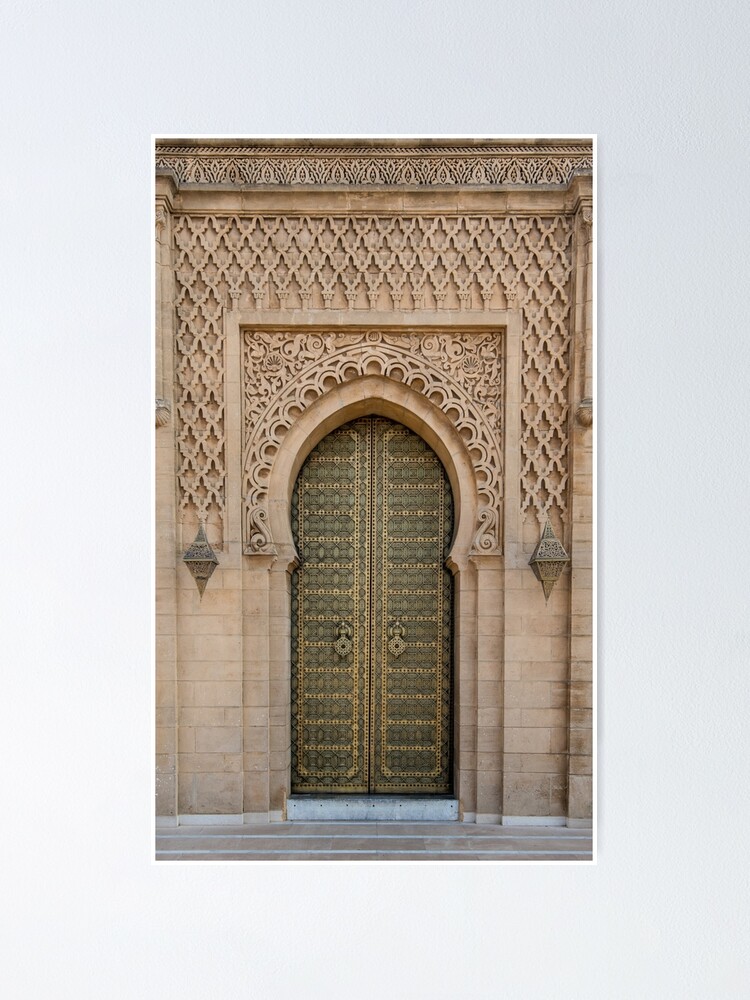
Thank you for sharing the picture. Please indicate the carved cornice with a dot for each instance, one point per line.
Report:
(486, 163)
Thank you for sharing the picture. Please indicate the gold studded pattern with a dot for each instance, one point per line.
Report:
(372, 516)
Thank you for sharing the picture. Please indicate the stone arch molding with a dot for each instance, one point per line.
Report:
(373, 394)
(450, 381)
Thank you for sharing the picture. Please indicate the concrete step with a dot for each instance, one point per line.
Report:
(372, 841)
(340, 808)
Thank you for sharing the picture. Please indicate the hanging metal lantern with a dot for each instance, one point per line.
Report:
(201, 559)
(548, 560)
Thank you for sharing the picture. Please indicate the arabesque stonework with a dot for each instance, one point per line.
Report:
(445, 285)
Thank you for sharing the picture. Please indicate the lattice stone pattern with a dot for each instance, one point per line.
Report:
(367, 263)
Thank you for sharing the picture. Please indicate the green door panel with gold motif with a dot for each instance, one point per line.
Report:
(372, 516)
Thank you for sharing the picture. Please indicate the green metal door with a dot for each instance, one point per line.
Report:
(372, 516)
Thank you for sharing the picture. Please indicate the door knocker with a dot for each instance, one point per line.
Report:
(397, 644)
(343, 644)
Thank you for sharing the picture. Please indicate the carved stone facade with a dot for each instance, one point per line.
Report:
(443, 285)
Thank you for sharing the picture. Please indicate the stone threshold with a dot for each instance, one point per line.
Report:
(404, 808)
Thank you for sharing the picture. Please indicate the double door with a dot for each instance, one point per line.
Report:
(372, 516)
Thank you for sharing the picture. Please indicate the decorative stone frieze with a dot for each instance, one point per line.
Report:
(544, 163)
(461, 373)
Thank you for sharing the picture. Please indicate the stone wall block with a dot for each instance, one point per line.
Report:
(543, 763)
(217, 693)
(186, 740)
(527, 740)
(165, 786)
(580, 765)
(580, 718)
(255, 694)
(558, 740)
(190, 717)
(581, 741)
(526, 795)
(552, 625)
(558, 795)
(218, 793)
(544, 718)
(165, 715)
(165, 763)
(255, 760)
(580, 695)
(279, 738)
(580, 797)
(255, 789)
(186, 793)
(219, 671)
(527, 694)
(549, 670)
(210, 763)
(580, 670)
(489, 738)
(218, 739)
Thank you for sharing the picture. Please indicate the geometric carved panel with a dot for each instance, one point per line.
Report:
(199, 373)
(401, 263)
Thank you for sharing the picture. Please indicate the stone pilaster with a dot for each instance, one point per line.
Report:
(580, 693)
(165, 582)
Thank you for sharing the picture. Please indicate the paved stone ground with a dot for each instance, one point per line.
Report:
(372, 841)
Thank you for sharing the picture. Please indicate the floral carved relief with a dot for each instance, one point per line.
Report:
(403, 263)
(550, 163)
(460, 373)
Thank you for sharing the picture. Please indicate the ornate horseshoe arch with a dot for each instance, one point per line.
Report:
(458, 376)
(380, 396)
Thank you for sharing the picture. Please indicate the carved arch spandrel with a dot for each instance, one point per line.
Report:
(454, 380)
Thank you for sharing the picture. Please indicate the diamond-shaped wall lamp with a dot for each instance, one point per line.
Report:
(201, 559)
(548, 560)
